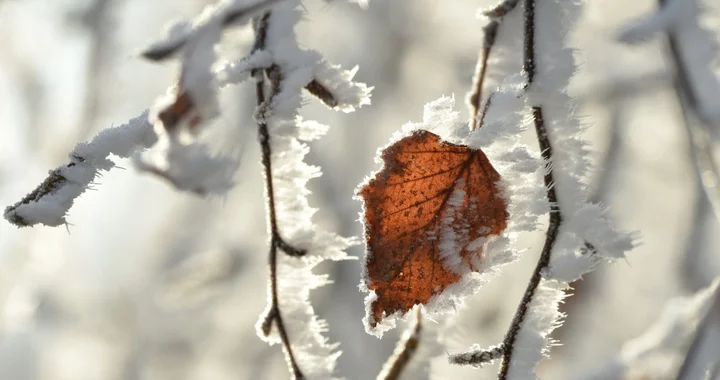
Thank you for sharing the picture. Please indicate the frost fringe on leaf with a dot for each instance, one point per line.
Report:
(515, 165)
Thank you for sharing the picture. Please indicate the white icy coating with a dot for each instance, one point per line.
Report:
(452, 241)
(124, 141)
(662, 347)
(288, 131)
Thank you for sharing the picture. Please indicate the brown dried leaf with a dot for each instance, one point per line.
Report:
(428, 192)
(182, 107)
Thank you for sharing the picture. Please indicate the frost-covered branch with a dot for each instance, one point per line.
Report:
(477, 356)
(273, 317)
(51, 200)
(553, 230)
(289, 318)
(575, 226)
(216, 17)
(187, 166)
(169, 127)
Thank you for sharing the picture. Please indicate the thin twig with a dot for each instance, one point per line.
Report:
(555, 221)
(404, 352)
(529, 42)
(490, 30)
(273, 316)
(550, 239)
(478, 357)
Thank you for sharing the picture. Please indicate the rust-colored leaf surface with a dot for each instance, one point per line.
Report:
(428, 191)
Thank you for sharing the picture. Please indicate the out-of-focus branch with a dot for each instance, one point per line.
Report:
(689, 368)
(496, 15)
(97, 19)
(697, 124)
(404, 351)
(556, 218)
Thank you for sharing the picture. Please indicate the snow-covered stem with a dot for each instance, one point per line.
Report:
(404, 351)
(495, 14)
(273, 315)
(552, 231)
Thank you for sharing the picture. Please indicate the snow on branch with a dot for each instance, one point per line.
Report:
(51, 200)
(169, 128)
(289, 318)
(177, 117)
(547, 66)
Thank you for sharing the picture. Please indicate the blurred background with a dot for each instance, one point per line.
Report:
(149, 283)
